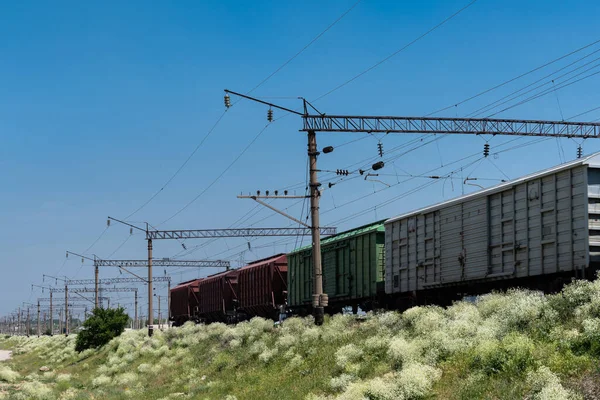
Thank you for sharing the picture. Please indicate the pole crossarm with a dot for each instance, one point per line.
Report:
(255, 198)
(165, 262)
(242, 232)
(112, 281)
(473, 126)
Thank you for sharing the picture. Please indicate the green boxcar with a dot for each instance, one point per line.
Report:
(353, 268)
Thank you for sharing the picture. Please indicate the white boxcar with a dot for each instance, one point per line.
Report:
(544, 223)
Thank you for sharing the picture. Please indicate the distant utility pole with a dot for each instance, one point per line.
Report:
(136, 310)
(66, 310)
(159, 315)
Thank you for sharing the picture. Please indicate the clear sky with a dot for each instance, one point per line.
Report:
(102, 102)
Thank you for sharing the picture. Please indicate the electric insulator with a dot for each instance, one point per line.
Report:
(276, 192)
(330, 184)
(285, 192)
(108, 222)
(360, 171)
(343, 172)
(327, 149)
(267, 192)
(227, 101)
(258, 192)
(378, 165)
(486, 149)
(131, 231)
(270, 115)
(380, 149)
(67, 254)
(579, 152)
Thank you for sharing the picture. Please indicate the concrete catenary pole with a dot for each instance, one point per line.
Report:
(135, 325)
(96, 283)
(150, 299)
(51, 317)
(19, 322)
(38, 318)
(168, 302)
(28, 324)
(66, 310)
(159, 314)
(320, 300)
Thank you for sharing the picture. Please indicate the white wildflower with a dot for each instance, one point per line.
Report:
(35, 391)
(126, 379)
(8, 375)
(341, 382)
(403, 352)
(101, 380)
(347, 354)
(63, 377)
(417, 380)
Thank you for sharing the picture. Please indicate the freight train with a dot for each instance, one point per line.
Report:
(538, 231)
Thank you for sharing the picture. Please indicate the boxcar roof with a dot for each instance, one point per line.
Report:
(263, 261)
(592, 161)
(187, 283)
(373, 226)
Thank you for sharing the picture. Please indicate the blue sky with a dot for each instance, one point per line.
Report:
(101, 103)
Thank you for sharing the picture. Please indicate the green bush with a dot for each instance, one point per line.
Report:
(101, 327)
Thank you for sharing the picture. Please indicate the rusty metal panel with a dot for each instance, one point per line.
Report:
(261, 286)
(184, 300)
(218, 294)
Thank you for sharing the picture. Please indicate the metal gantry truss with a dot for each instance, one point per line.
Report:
(113, 281)
(242, 232)
(462, 126)
(92, 290)
(164, 262)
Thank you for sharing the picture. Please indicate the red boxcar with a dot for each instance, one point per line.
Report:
(184, 302)
(218, 297)
(262, 287)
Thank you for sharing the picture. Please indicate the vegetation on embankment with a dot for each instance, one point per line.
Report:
(518, 345)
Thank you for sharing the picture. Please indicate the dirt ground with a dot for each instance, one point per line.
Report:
(5, 355)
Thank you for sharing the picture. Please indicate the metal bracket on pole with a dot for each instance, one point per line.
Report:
(255, 198)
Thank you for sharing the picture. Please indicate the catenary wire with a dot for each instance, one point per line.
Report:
(282, 66)
(514, 79)
(377, 64)
(527, 100)
(512, 96)
(181, 167)
(218, 177)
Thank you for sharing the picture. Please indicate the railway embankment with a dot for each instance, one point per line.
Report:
(515, 345)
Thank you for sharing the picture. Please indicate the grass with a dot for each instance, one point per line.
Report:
(515, 345)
